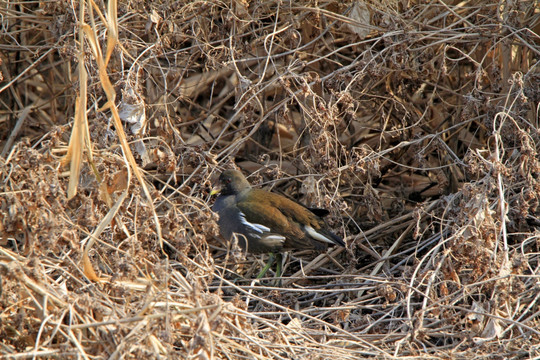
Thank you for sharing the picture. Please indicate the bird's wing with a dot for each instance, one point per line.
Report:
(307, 219)
(298, 213)
(264, 214)
(290, 219)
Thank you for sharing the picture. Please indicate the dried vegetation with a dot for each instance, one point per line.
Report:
(415, 123)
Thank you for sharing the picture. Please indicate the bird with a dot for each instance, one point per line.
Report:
(266, 222)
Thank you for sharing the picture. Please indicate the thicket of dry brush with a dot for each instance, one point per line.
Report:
(415, 123)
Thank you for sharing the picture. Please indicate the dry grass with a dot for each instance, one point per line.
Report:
(416, 124)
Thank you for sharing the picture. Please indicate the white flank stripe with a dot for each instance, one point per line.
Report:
(275, 237)
(256, 227)
(311, 231)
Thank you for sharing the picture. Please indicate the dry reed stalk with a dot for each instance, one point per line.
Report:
(415, 124)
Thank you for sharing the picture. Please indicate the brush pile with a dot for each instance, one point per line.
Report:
(416, 124)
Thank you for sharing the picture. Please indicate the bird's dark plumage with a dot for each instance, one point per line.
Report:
(268, 222)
